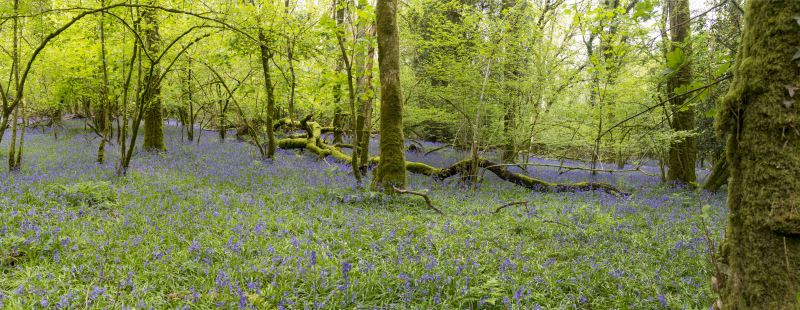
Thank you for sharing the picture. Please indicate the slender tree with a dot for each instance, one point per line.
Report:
(12, 164)
(759, 113)
(105, 119)
(391, 167)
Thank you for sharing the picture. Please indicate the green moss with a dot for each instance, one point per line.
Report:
(764, 191)
(423, 169)
(682, 154)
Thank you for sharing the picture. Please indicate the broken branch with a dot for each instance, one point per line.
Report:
(427, 200)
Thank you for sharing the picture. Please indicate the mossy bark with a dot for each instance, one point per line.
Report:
(762, 240)
(153, 122)
(391, 170)
(682, 154)
(104, 119)
(266, 56)
(365, 102)
(719, 176)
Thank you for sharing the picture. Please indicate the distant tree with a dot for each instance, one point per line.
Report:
(759, 113)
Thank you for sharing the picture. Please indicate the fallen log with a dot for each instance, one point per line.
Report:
(313, 143)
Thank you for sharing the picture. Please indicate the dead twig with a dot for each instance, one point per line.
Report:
(427, 200)
(525, 202)
(554, 222)
(436, 149)
(86, 301)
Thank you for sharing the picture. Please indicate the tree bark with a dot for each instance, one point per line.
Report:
(682, 154)
(391, 170)
(762, 239)
(12, 165)
(153, 122)
(365, 117)
(106, 105)
(720, 174)
(351, 92)
(266, 56)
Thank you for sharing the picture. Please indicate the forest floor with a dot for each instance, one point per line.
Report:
(208, 225)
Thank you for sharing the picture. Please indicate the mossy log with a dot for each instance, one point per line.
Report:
(516, 178)
(285, 121)
(317, 146)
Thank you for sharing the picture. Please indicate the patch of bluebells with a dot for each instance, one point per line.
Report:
(208, 225)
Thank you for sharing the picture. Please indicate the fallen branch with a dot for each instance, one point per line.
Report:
(639, 169)
(516, 178)
(427, 200)
(436, 149)
(529, 212)
(313, 143)
(511, 204)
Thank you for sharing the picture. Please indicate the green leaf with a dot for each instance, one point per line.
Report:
(711, 113)
(667, 71)
(706, 211)
(643, 10)
(675, 58)
(722, 69)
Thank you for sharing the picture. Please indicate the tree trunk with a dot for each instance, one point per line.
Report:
(351, 92)
(365, 117)
(12, 165)
(681, 154)
(266, 56)
(222, 129)
(391, 170)
(105, 123)
(153, 122)
(190, 114)
(719, 175)
(338, 122)
(762, 240)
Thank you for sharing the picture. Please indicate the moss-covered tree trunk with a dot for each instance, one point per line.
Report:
(12, 165)
(338, 121)
(391, 167)
(682, 154)
(365, 102)
(104, 123)
(266, 56)
(719, 176)
(153, 122)
(759, 113)
(190, 114)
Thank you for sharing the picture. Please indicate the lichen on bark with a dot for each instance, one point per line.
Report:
(762, 239)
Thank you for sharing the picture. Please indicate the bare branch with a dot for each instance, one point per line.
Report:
(427, 200)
